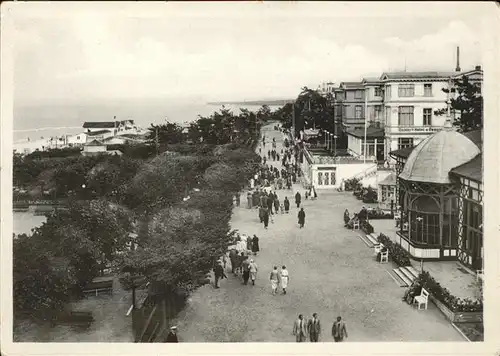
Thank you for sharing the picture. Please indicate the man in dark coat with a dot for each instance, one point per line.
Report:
(298, 199)
(233, 256)
(219, 273)
(172, 335)
(286, 204)
(255, 245)
(266, 218)
(302, 217)
(246, 270)
(276, 204)
(270, 200)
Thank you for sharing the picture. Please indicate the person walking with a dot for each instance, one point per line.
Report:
(286, 204)
(274, 278)
(285, 278)
(298, 199)
(255, 245)
(233, 257)
(246, 270)
(172, 335)
(252, 267)
(339, 330)
(219, 273)
(249, 200)
(270, 201)
(265, 218)
(276, 204)
(249, 243)
(314, 327)
(347, 217)
(300, 329)
(302, 217)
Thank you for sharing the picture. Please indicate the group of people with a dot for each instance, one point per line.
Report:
(312, 328)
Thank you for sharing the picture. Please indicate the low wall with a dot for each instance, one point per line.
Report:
(457, 317)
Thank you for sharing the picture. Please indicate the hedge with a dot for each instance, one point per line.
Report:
(398, 254)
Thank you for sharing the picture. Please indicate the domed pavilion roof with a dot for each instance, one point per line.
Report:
(432, 159)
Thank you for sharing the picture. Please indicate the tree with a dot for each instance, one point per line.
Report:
(468, 104)
(168, 133)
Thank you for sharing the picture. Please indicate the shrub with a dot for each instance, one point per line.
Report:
(443, 295)
(398, 254)
(353, 184)
(366, 227)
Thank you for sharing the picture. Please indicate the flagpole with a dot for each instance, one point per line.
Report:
(366, 109)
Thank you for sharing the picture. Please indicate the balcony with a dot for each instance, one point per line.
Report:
(412, 129)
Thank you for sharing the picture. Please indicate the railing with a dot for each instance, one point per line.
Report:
(364, 174)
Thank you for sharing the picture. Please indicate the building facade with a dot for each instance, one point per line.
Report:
(374, 106)
(353, 104)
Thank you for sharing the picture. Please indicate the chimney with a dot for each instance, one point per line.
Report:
(478, 67)
(457, 69)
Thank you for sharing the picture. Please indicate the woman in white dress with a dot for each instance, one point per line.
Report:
(284, 278)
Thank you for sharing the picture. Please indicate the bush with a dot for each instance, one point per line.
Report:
(353, 184)
(366, 227)
(398, 254)
(442, 294)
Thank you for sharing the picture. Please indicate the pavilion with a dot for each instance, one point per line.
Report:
(439, 192)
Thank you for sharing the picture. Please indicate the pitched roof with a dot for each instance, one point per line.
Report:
(352, 85)
(95, 133)
(472, 169)
(371, 132)
(371, 80)
(403, 152)
(98, 124)
(95, 143)
(418, 75)
(389, 180)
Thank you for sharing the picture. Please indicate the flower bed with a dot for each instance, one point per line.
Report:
(452, 303)
(397, 254)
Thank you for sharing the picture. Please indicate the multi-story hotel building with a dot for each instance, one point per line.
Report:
(410, 100)
(352, 95)
(374, 107)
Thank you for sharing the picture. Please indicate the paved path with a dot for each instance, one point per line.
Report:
(332, 272)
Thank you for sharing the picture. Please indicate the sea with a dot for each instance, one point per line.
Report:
(41, 121)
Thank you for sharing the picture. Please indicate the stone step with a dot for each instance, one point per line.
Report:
(372, 239)
(402, 276)
(396, 278)
(366, 241)
(407, 274)
(413, 271)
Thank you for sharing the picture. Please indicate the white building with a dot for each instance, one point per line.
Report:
(99, 135)
(326, 88)
(410, 100)
(76, 140)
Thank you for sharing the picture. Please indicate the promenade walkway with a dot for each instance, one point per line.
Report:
(332, 272)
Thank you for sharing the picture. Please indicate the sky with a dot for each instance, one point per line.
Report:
(243, 52)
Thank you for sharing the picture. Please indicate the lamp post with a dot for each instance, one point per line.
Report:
(419, 220)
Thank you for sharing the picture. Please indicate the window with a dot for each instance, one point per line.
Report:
(405, 115)
(427, 89)
(358, 113)
(327, 178)
(404, 142)
(406, 90)
(77, 137)
(427, 117)
(387, 115)
(358, 94)
(320, 178)
(378, 91)
(332, 178)
(387, 92)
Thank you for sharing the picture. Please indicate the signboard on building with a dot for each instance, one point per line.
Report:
(418, 129)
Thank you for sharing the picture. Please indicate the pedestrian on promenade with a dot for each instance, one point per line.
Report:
(252, 267)
(286, 204)
(298, 198)
(246, 269)
(346, 217)
(269, 154)
(277, 157)
(261, 214)
(172, 335)
(314, 327)
(270, 201)
(255, 245)
(274, 278)
(285, 278)
(300, 329)
(238, 199)
(219, 273)
(233, 257)
(265, 218)
(339, 330)
(249, 243)
(249, 200)
(302, 217)
(276, 204)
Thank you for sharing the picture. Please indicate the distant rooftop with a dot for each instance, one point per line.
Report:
(99, 124)
(100, 132)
